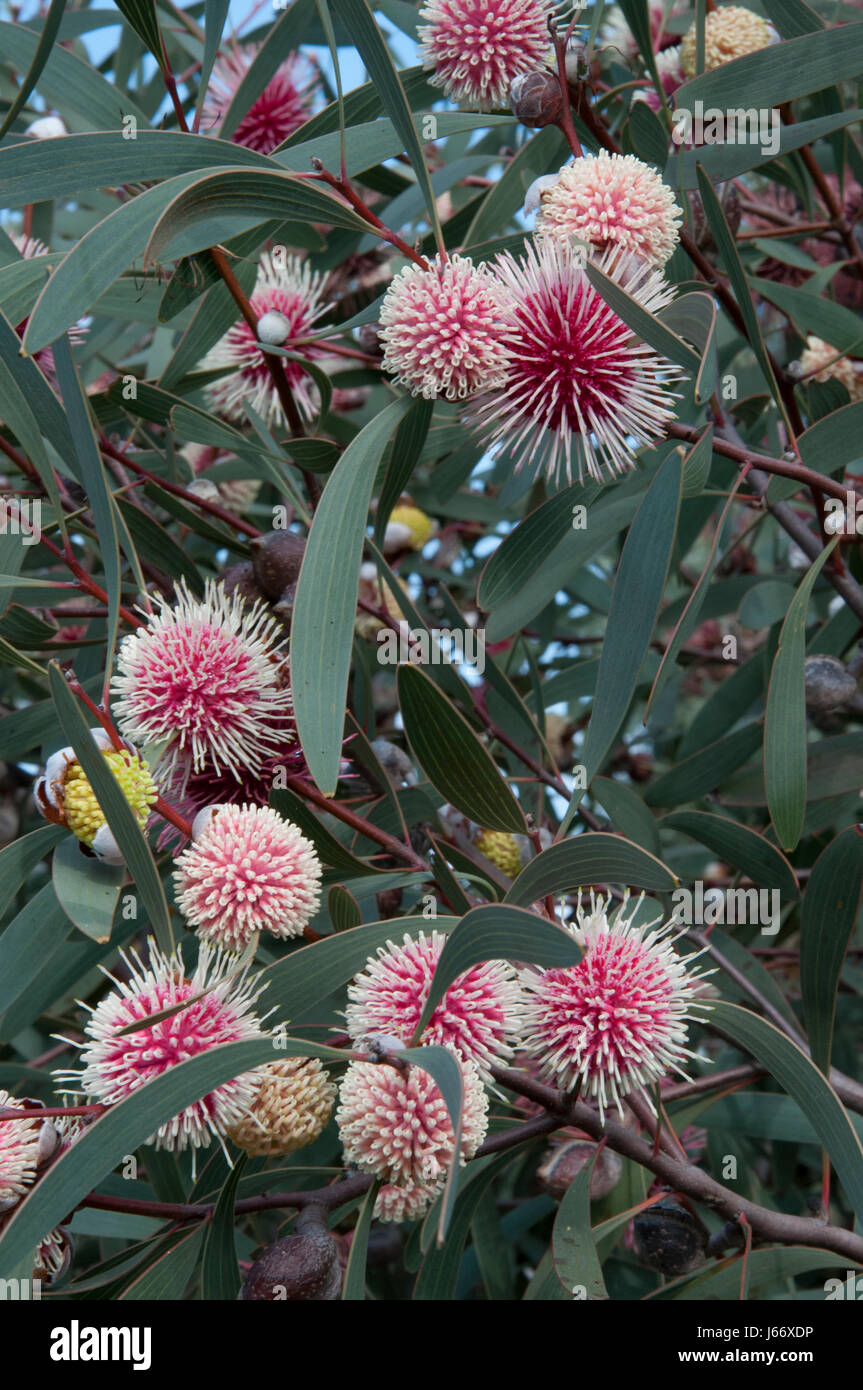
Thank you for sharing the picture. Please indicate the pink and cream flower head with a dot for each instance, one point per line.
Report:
(395, 1124)
(616, 1022)
(287, 302)
(247, 871)
(477, 1018)
(281, 108)
(218, 1008)
(477, 47)
(612, 200)
(208, 677)
(440, 328)
(19, 1153)
(578, 382)
(729, 33)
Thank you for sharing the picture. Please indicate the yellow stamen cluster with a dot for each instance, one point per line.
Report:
(291, 1108)
(502, 849)
(83, 814)
(421, 527)
(728, 34)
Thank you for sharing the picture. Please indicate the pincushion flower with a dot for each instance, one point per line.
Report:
(19, 1154)
(610, 200)
(280, 109)
(64, 795)
(291, 1109)
(477, 47)
(616, 1022)
(408, 526)
(206, 675)
(219, 1009)
(395, 1124)
(577, 380)
(405, 1203)
(503, 849)
(477, 1017)
(247, 871)
(290, 298)
(440, 329)
(822, 362)
(729, 33)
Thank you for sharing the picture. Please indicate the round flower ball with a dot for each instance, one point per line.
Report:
(291, 1109)
(406, 1203)
(612, 200)
(440, 328)
(824, 363)
(218, 1008)
(247, 871)
(477, 1018)
(616, 1022)
(19, 1154)
(729, 33)
(395, 1124)
(477, 47)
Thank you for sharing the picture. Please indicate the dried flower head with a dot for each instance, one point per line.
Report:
(616, 1022)
(206, 675)
(577, 380)
(440, 328)
(292, 290)
(291, 1109)
(612, 200)
(477, 1017)
(247, 871)
(395, 1124)
(477, 47)
(729, 33)
(218, 1008)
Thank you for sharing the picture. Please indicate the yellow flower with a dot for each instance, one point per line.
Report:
(83, 814)
(502, 849)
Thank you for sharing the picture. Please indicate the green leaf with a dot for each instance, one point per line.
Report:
(627, 812)
(766, 1269)
(593, 857)
(544, 153)
(40, 57)
(326, 599)
(498, 931)
(118, 813)
(87, 891)
(810, 313)
(799, 1076)
(779, 73)
(141, 16)
(19, 859)
(576, 1262)
(343, 908)
(354, 1284)
(703, 771)
(529, 544)
(635, 600)
(215, 14)
(407, 446)
(331, 850)
(370, 44)
(739, 846)
(785, 717)
(124, 1128)
(445, 1071)
(166, 1278)
(829, 914)
(220, 1275)
(283, 36)
(457, 764)
(70, 84)
(28, 942)
(646, 325)
(722, 162)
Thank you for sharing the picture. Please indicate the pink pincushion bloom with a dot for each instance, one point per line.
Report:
(19, 1154)
(616, 1022)
(395, 1124)
(477, 47)
(247, 871)
(610, 200)
(477, 1017)
(291, 295)
(577, 379)
(405, 1203)
(440, 329)
(208, 676)
(115, 1067)
(282, 107)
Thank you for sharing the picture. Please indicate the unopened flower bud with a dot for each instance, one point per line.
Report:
(669, 1238)
(828, 684)
(535, 99)
(273, 328)
(46, 128)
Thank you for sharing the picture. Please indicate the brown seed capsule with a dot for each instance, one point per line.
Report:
(276, 561)
(828, 684)
(669, 1238)
(535, 99)
(565, 1161)
(240, 579)
(302, 1267)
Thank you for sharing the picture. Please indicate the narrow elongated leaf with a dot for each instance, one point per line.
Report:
(326, 598)
(19, 859)
(799, 1076)
(785, 717)
(524, 549)
(450, 753)
(576, 1262)
(740, 846)
(354, 1284)
(40, 58)
(27, 943)
(703, 771)
(582, 860)
(220, 1277)
(829, 914)
(167, 1277)
(70, 83)
(779, 73)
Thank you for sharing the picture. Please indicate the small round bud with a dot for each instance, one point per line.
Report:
(46, 128)
(273, 328)
(240, 579)
(276, 560)
(828, 684)
(669, 1238)
(535, 99)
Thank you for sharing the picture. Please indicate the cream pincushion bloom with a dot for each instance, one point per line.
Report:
(821, 361)
(612, 200)
(729, 33)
